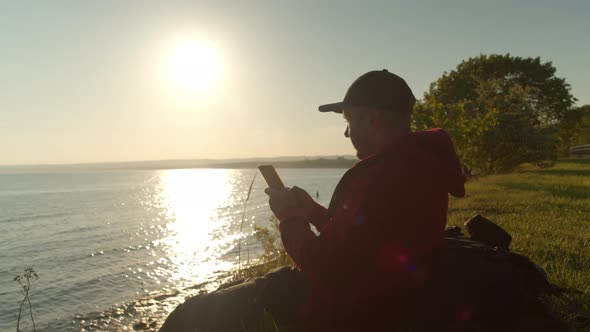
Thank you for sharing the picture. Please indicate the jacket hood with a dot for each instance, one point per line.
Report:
(433, 150)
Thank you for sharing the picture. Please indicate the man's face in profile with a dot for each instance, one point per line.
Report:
(359, 131)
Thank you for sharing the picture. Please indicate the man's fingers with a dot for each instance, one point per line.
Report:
(300, 193)
(297, 190)
(276, 192)
(280, 200)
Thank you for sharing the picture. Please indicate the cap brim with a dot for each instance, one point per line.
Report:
(335, 107)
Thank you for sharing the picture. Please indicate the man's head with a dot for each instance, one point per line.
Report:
(377, 108)
(371, 128)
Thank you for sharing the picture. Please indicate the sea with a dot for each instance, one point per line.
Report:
(119, 249)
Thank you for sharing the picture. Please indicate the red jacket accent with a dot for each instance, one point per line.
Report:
(386, 212)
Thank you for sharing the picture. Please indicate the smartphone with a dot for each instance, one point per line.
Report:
(270, 175)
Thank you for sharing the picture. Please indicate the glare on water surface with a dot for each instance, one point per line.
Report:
(144, 240)
(198, 234)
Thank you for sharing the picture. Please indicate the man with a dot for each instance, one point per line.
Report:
(387, 212)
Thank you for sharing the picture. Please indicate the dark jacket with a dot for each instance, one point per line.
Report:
(387, 211)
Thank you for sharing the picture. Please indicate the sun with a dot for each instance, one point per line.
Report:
(193, 67)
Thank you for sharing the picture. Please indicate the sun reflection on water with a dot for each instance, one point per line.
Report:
(198, 233)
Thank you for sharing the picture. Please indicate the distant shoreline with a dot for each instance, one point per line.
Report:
(280, 162)
(309, 163)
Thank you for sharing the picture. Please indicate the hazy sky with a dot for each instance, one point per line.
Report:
(86, 81)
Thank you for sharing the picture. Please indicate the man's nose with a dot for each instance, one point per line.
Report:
(346, 132)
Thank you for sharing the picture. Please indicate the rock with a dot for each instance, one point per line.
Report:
(140, 326)
(165, 296)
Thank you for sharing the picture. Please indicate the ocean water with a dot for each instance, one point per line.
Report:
(114, 248)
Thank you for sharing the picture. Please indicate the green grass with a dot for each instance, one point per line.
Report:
(547, 212)
(274, 254)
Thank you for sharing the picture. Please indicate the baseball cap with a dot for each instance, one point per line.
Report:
(376, 89)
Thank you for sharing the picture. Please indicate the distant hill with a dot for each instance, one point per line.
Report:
(278, 162)
(340, 162)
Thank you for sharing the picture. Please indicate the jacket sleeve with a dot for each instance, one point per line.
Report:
(335, 247)
(319, 217)
(362, 240)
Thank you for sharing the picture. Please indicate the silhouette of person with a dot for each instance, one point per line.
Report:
(387, 211)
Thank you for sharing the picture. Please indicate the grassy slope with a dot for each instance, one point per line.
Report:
(547, 212)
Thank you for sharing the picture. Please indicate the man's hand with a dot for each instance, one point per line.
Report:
(284, 203)
(306, 203)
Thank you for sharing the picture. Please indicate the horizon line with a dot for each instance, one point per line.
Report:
(174, 160)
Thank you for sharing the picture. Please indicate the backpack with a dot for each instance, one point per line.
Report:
(476, 284)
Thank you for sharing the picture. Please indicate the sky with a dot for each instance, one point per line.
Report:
(100, 81)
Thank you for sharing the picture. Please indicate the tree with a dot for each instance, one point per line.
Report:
(500, 111)
(574, 129)
(583, 134)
